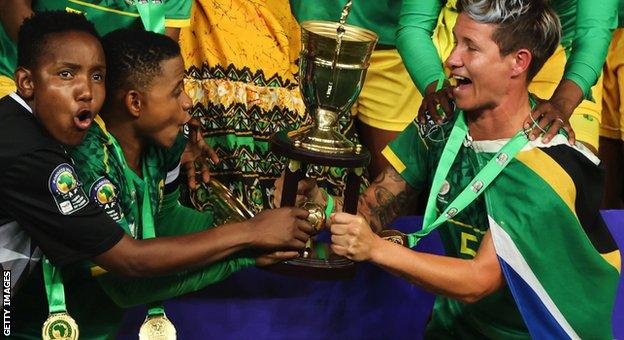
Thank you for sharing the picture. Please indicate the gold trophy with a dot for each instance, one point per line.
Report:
(333, 64)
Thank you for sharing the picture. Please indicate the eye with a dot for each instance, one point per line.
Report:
(66, 74)
(99, 77)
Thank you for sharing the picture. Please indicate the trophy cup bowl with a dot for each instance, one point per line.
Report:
(331, 74)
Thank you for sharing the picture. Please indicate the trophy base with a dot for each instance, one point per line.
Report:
(283, 145)
(327, 142)
(316, 267)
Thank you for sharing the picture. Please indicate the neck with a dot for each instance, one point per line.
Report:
(119, 125)
(502, 121)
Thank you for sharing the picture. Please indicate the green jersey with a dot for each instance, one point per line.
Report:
(415, 154)
(381, 17)
(542, 211)
(106, 15)
(101, 171)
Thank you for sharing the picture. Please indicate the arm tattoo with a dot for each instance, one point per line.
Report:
(387, 198)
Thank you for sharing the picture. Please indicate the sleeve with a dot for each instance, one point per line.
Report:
(127, 292)
(178, 13)
(407, 154)
(417, 20)
(172, 219)
(42, 192)
(595, 22)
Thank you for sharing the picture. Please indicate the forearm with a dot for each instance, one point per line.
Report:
(127, 292)
(165, 255)
(595, 22)
(461, 279)
(417, 21)
(387, 198)
(567, 96)
(12, 14)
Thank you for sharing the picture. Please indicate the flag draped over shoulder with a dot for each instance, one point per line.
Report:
(559, 260)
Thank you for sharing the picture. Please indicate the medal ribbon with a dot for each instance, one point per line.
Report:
(54, 287)
(476, 187)
(147, 219)
(152, 15)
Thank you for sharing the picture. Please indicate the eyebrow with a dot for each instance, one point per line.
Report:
(180, 82)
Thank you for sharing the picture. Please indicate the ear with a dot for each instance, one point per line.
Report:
(133, 102)
(521, 61)
(24, 83)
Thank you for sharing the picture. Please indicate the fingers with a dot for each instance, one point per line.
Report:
(341, 240)
(432, 108)
(339, 250)
(445, 102)
(300, 213)
(284, 255)
(552, 130)
(344, 218)
(205, 172)
(305, 227)
(190, 174)
(571, 133)
(210, 152)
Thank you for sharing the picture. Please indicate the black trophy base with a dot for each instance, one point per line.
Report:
(315, 267)
(322, 263)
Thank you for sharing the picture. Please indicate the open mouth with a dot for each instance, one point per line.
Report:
(84, 119)
(462, 81)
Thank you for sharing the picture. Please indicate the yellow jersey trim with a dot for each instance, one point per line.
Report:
(614, 259)
(97, 271)
(177, 23)
(106, 9)
(393, 159)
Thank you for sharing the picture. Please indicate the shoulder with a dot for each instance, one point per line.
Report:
(21, 133)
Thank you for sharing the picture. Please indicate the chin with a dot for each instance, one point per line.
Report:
(71, 139)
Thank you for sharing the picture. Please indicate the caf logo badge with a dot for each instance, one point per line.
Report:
(104, 194)
(66, 190)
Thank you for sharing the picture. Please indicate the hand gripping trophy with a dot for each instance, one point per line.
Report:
(333, 64)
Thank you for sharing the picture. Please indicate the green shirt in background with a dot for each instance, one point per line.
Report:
(380, 17)
(587, 26)
(106, 15)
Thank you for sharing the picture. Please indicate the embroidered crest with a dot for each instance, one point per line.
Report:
(66, 190)
(104, 194)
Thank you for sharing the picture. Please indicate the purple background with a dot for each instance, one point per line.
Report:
(373, 305)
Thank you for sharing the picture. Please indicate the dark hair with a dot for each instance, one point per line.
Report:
(530, 24)
(133, 57)
(34, 32)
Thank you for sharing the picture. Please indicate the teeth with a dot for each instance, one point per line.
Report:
(458, 77)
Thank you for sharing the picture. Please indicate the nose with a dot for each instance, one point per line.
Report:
(84, 91)
(186, 101)
(187, 104)
(454, 59)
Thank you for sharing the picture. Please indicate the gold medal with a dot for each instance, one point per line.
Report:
(157, 327)
(59, 326)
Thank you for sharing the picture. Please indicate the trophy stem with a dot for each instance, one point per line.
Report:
(323, 136)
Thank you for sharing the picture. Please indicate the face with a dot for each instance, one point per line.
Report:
(165, 105)
(482, 74)
(67, 85)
